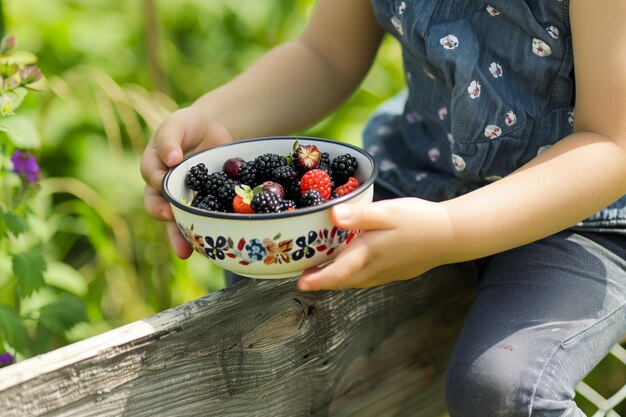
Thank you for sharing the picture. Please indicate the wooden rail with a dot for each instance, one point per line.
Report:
(261, 349)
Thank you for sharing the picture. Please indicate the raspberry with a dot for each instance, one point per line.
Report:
(266, 202)
(343, 167)
(266, 163)
(346, 188)
(311, 198)
(196, 177)
(316, 179)
(240, 206)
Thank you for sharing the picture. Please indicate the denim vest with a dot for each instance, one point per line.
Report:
(489, 87)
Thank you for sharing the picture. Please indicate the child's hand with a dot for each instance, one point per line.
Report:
(183, 132)
(401, 239)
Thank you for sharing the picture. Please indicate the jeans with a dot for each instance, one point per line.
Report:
(545, 314)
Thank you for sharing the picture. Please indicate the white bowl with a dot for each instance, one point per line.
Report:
(274, 245)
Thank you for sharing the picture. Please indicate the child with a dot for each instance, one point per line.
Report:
(490, 165)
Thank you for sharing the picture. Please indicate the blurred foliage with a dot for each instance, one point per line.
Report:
(115, 70)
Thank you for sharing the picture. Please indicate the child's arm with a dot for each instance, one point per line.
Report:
(289, 88)
(576, 177)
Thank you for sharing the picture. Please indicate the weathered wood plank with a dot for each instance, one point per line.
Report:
(259, 349)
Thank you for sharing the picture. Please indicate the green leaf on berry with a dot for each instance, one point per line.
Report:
(246, 193)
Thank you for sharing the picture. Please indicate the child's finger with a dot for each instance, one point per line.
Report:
(152, 168)
(156, 206)
(343, 272)
(168, 141)
(179, 244)
(364, 217)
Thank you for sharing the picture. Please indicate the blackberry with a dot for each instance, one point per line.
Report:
(325, 163)
(226, 194)
(311, 198)
(197, 177)
(343, 167)
(197, 199)
(284, 175)
(214, 182)
(248, 174)
(287, 205)
(266, 202)
(293, 190)
(266, 163)
(210, 202)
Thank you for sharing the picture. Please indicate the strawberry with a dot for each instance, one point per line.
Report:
(316, 179)
(240, 206)
(241, 202)
(306, 157)
(346, 188)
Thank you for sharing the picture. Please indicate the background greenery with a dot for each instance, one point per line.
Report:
(114, 71)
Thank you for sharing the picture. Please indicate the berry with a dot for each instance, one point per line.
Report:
(274, 187)
(288, 205)
(343, 167)
(325, 163)
(289, 179)
(311, 198)
(266, 202)
(245, 194)
(266, 163)
(316, 179)
(240, 206)
(247, 174)
(214, 181)
(210, 202)
(305, 158)
(197, 177)
(226, 193)
(197, 199)
(231, 167)
(346, 188)
(284, 175)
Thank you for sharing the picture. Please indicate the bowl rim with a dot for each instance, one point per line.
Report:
(364, 186)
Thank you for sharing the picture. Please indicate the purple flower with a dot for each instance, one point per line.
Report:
(6, 359)
(24, 164)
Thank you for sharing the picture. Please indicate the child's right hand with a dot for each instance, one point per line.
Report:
(184, 132)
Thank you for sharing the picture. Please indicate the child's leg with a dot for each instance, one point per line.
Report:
(544, 316)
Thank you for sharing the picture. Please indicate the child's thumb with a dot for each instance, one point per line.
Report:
(363, 216)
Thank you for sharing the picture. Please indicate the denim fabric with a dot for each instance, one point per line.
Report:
(545, 314)
(490, 86)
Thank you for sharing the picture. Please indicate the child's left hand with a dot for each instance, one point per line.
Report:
(401, 239)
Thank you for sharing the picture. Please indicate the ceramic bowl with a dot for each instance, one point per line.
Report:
(274, 245)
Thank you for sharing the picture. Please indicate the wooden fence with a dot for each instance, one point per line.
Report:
(263, 349)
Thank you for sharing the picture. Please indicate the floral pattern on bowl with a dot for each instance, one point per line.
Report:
(269, 250)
